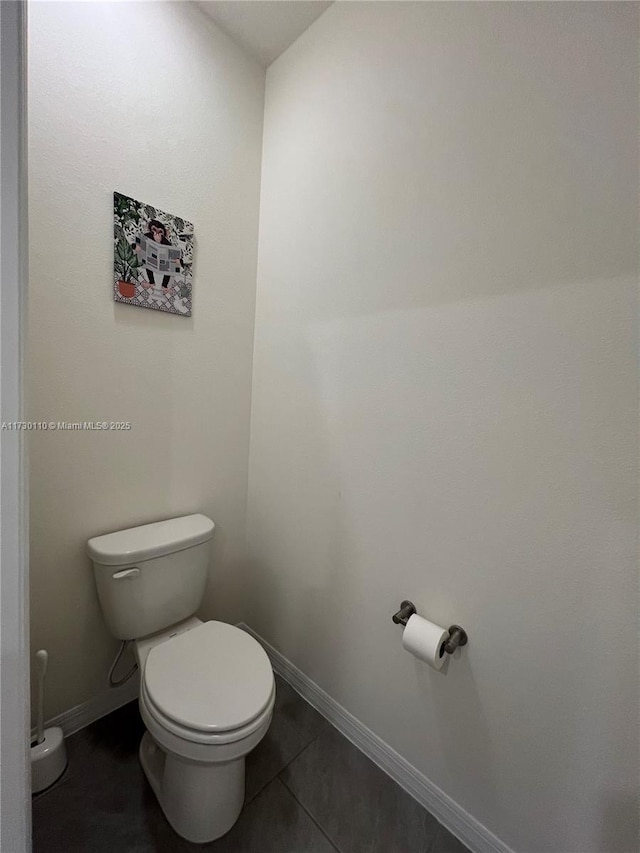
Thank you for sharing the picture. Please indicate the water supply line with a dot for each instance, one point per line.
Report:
(112, 682)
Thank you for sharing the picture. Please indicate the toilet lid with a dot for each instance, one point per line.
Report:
(212, 678)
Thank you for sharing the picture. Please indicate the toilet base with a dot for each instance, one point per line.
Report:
(200, 801)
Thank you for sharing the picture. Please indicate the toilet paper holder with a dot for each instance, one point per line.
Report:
(457, 635)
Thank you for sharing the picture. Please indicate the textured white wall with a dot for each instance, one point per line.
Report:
(445, 395)
(152, 100)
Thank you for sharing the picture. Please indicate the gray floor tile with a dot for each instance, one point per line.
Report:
(444, 842)
(103, 803)
(279, 746)
(298, 712)
(272, 823)
(357, 805)
(115, 736)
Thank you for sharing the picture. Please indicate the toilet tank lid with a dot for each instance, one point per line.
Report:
(150, 540)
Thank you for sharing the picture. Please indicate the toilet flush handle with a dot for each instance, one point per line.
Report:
(126, 573)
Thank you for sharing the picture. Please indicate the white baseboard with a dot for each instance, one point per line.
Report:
(459, 822)
(88, 712)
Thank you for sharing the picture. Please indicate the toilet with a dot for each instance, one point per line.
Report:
(206, 688)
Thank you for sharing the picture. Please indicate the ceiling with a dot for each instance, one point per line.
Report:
(264, 28)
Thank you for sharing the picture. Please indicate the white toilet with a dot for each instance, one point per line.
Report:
(206, 688)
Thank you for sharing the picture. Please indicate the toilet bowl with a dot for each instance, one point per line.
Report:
(207, 689)
(206, 699)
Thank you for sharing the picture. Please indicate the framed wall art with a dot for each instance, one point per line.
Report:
(153, 257)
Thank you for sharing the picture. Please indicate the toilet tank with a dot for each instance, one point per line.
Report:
(153, 576)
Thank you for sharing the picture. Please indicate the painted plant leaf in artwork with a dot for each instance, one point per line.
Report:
(152, 257)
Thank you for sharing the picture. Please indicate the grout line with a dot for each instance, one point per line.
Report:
(311, 817)
(298, 754)
(449, 813)
(275, 775)
(430, 840)
(284, 766)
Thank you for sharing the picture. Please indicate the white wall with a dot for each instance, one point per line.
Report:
(445, 395)
(152, 100)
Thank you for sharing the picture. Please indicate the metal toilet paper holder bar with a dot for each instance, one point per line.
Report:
(457, 635)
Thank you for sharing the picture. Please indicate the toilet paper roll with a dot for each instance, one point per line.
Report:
(425, 640)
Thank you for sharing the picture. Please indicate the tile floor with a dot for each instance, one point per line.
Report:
(308, 791)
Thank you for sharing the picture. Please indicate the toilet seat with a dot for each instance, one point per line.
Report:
(212, 684)
(193, 736)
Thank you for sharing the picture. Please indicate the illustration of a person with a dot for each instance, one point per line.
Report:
(158, 233)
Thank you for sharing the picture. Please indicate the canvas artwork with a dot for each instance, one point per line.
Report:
(153, 257)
